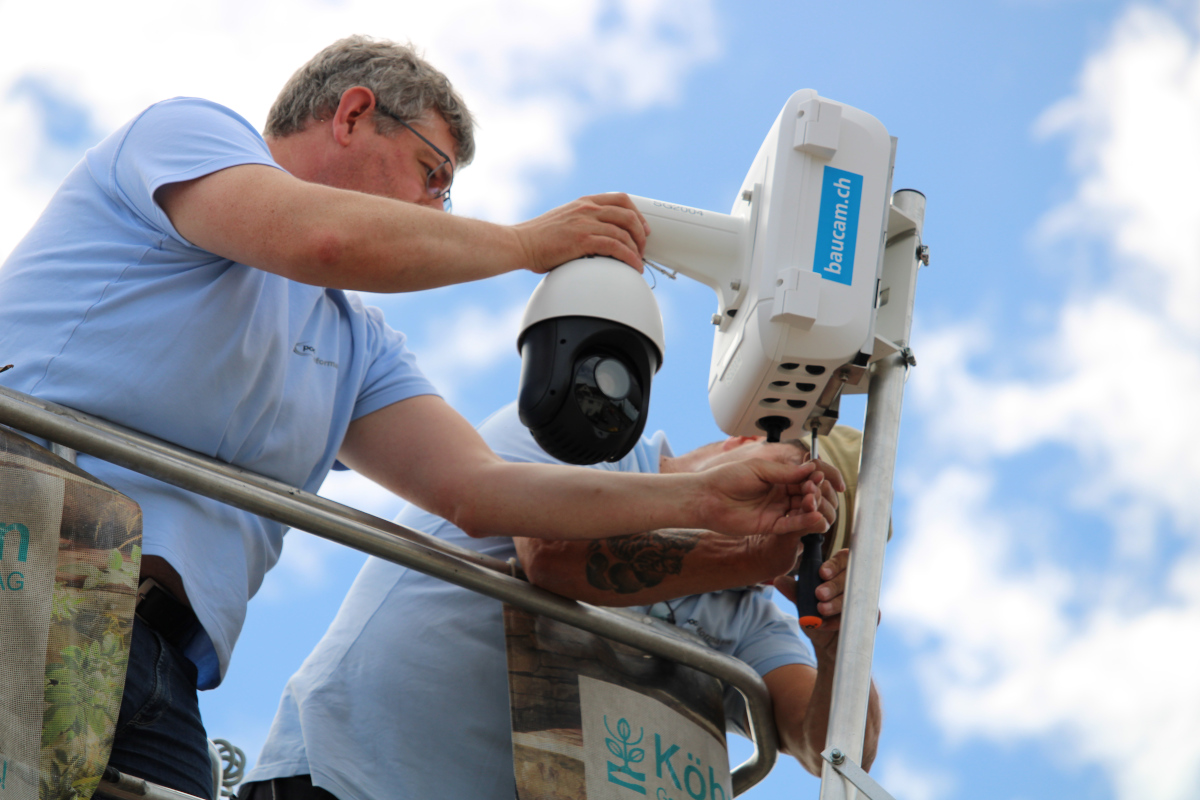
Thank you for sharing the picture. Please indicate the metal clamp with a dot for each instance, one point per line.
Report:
(856, 775)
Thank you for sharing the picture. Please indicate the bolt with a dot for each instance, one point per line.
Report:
(837, 757)
(716, 319)
(747, 194)
(735, 285)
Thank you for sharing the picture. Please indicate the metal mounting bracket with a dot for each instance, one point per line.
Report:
(856, 775)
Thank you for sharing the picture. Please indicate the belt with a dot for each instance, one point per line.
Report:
(162, 612)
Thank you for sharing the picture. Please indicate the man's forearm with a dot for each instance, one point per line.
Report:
(815, 726)
(422, 450)
(331, 237)
(342, 239)
(650, 567)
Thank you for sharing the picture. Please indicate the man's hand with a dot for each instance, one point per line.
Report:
(830, 598)
(830, 593)
(826, 483)
(600, 225)
(763, 497)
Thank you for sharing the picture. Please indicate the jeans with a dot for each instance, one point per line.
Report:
(159, 733)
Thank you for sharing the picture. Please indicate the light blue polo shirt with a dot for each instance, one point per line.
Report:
(108, 309)
(406, 695)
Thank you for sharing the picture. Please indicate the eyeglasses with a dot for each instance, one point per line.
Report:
(438, 179)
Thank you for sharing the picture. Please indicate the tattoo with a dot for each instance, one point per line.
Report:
(628, 564)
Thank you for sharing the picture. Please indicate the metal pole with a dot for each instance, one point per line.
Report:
(856, 641)
(881, 433)
(395, 543)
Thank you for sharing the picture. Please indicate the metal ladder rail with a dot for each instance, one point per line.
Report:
(305, 511)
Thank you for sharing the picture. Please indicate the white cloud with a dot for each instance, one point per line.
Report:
(1003, 656)
(458, 347)
(534, 71)
(304, 565)
(1135, 122)
(1014, 642)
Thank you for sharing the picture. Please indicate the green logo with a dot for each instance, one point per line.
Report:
(624, 747)
(23, 546)
(621, 747)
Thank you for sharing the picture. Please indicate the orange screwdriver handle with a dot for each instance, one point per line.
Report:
(807, 581)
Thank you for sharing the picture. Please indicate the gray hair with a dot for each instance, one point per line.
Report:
(403, 82)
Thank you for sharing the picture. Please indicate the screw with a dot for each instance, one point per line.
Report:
(716, 319)
(923, 254)
(837, 757)
(747, 194)
(735, 285)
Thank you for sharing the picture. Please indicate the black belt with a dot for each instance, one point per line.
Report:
(161, 612)
(297, 787)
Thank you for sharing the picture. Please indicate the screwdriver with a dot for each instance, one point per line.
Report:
(807, 576)
(807, 581)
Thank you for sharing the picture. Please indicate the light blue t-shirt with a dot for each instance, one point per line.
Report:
(108, 309)
(406, 695)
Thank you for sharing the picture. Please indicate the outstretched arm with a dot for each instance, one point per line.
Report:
(660, 565)
(800, 695)
(646, 568)
(422, 450)
(341, 239)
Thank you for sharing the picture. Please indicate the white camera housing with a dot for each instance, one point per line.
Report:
(795, 266)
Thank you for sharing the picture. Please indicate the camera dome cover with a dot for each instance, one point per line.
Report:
(598, 287)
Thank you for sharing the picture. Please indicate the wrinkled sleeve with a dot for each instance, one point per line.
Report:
(179, 140)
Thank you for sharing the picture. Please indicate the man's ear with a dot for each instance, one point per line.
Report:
(357, 102)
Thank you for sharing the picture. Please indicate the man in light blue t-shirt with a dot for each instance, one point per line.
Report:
(406, 695)
(187, 280)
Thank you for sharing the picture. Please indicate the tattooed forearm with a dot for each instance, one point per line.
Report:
(628, 564)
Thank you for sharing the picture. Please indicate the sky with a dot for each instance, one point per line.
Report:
(1041, 597)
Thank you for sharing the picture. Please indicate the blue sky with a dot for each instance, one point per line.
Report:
(1041, 596)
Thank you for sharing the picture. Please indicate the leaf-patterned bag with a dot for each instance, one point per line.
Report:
(70, 549)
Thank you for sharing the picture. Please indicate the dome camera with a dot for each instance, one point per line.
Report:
(590, 343)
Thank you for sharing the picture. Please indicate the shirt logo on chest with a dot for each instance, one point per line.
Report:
(309, 351)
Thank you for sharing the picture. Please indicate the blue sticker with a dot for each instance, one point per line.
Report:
(837, 227)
